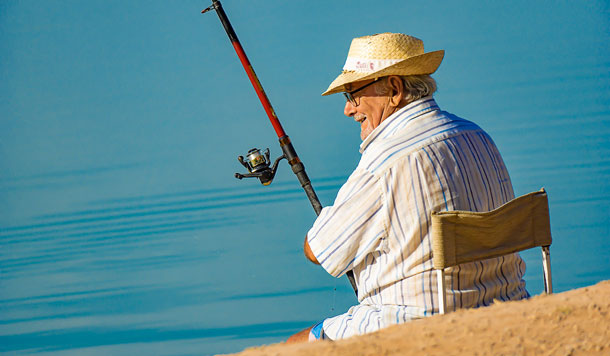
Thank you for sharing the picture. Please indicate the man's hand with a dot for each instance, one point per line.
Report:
(308, 253)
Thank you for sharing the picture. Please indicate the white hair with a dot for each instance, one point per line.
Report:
(416, 87)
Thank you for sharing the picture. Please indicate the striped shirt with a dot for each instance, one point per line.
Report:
(418, 160)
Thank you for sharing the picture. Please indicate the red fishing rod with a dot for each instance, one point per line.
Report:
(257, 164)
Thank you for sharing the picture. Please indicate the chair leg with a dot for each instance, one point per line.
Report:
(546, 265)
(442, 292)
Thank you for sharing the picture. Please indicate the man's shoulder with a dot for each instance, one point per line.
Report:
(430, 129)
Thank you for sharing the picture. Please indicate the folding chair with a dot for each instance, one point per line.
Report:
(464, 236)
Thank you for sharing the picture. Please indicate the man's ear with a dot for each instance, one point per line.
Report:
(396, 87)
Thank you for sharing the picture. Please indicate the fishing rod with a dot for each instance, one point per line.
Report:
(259, 164)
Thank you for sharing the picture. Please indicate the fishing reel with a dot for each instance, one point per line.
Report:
(258, 166)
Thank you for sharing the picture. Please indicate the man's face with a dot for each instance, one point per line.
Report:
(372, 108)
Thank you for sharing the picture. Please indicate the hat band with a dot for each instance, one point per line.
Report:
(367, 65)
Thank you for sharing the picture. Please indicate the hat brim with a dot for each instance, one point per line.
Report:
(426, 63)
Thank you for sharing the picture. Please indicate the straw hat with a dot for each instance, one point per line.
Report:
(385, 54)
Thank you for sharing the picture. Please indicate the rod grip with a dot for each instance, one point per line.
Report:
(299, 170)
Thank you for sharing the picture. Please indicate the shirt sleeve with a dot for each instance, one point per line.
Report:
(354, 226)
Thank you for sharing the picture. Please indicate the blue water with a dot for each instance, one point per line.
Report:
(190, 271)
(122, 229)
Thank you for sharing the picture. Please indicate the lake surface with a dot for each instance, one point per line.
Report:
(122, 229)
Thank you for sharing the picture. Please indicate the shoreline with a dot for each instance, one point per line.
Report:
(575, 322)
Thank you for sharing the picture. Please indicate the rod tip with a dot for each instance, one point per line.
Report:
(207, 9)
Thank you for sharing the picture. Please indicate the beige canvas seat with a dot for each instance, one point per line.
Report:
(465, 236)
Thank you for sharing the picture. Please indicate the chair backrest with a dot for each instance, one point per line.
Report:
(466, 236)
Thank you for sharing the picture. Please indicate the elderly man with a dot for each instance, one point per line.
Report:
(416, 159)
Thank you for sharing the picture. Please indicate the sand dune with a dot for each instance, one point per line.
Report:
(576, 322)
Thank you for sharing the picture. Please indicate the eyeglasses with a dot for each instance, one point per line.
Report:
(349, 95)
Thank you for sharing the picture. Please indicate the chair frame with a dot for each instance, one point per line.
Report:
(443, 238)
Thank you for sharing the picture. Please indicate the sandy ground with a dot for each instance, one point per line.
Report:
(576, 322)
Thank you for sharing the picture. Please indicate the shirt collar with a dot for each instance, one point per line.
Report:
(407, 113)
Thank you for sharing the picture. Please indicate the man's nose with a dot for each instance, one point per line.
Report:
(349, 109)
